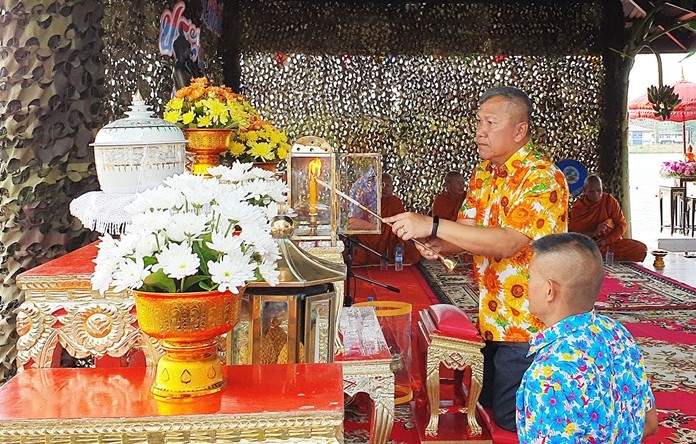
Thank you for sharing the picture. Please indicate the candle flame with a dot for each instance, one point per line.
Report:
(314, 168)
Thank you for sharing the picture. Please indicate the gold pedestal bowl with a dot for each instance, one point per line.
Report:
(659, 255)
(205, 147)
(188, 325)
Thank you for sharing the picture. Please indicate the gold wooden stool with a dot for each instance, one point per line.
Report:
(452, 340)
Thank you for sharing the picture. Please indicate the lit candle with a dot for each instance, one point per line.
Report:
(314, 173)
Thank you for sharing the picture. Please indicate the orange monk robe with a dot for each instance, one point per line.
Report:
(585, 216)
(446, 206)
(386, 242)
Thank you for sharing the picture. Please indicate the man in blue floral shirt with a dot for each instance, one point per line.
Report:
(587, 383)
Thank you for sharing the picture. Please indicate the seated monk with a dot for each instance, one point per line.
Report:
(599, 216)
(386, 242)
(448, 203)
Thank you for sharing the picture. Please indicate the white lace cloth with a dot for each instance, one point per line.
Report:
(102, 212)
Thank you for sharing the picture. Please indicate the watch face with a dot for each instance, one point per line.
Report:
(575, 174)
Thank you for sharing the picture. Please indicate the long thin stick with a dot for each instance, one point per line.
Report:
(448, 263)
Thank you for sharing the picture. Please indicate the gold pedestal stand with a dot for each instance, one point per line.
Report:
(188, 370)
(659, 262)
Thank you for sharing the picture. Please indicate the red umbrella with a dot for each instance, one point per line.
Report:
(640, 108)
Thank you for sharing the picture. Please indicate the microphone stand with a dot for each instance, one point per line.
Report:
(348, 298)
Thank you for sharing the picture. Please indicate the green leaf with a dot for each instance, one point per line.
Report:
(197, 279)
(205, 254)
(208, 286)
(149, 260)
(160, 282)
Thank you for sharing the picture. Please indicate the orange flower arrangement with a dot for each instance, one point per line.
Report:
(204, 105)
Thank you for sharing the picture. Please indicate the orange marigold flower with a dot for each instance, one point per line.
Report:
(535, 323)
(522, 216)
(522, 258)
(516, 334)
(490, 281)
(516, 180)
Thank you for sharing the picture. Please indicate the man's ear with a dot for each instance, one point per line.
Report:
(521, 131)
(552, 290)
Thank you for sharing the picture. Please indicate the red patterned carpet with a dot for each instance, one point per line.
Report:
(414, 290)
(659, 312)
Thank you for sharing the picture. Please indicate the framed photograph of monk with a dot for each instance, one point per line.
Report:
(360, 201)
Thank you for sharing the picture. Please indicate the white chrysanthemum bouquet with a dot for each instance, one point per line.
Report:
(196, 234)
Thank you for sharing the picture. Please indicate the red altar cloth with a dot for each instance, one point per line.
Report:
(99, 402)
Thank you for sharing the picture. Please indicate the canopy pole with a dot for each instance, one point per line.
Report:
(684, 135)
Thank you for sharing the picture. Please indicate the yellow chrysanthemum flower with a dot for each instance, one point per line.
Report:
(236, 148)
(175, 103)
(239, 116)
(274, 137)
(172, 116)
(214, 108)
(223, 118)
(262, 150)
(205, 122)
(188, 117)
(283, 151)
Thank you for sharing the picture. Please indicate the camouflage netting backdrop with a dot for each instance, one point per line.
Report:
(67, 68)
(404, 79)
(396, 78)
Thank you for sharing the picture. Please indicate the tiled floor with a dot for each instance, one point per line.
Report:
(677, 266)
(644, 181)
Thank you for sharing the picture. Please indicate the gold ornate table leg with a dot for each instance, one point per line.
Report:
(382, 415)
(456, 355)
(377, 380)
(433, 391)
(472, 399)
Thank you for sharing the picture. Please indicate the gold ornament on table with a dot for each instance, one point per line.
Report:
(207, 114)
(192, 246)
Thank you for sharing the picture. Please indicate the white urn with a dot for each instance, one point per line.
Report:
(138, 152)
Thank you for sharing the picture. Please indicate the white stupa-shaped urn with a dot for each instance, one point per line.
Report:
(138, 152)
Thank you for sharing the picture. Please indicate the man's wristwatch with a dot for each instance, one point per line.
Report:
(436, 223)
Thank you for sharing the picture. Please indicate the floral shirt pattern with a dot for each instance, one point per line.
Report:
(528, 194)
(587, 384)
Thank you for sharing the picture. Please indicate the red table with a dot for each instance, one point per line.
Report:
(272, 403)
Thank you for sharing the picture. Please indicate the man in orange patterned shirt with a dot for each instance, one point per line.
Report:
(515, 196)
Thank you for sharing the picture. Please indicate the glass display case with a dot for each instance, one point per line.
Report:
(361, 179)
(312, 195)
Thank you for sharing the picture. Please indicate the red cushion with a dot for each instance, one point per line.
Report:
(453, 322)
